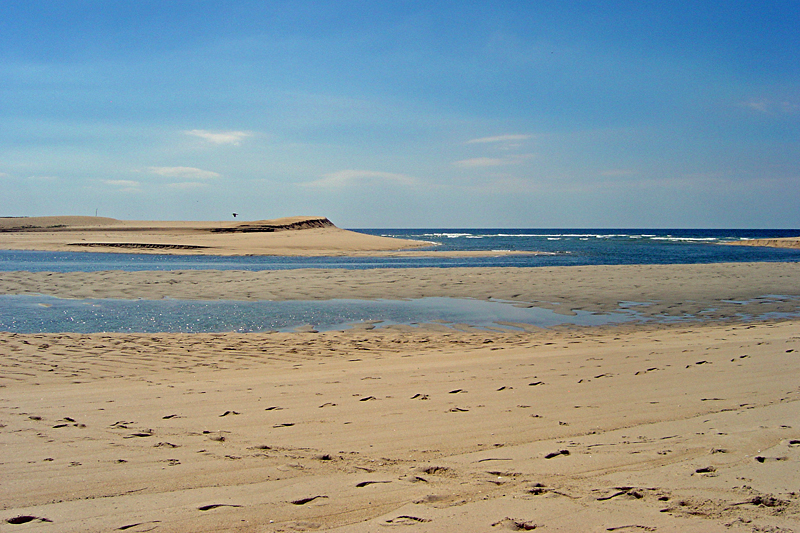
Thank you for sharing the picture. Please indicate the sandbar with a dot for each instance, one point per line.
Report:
(784, 242)
(717, 290)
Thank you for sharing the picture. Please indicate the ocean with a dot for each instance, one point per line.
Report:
(562, 247)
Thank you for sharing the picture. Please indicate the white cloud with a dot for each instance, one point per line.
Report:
(477, 162)
(770, 107)
(481, 162)
(757, 105)
(220, 137)
(122, 183)
(183, 172)
(499, 139)
(347, 178)
(43, 178)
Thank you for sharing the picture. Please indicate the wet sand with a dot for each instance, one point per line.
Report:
(721, 290)
(691, 426)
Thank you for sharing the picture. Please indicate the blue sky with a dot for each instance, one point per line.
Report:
(403, 113)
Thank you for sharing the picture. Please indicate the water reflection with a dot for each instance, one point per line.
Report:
(45, 314)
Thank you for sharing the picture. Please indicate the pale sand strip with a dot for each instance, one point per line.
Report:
(786, 242)
(672, 429)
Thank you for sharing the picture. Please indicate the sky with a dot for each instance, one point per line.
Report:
(404, 114)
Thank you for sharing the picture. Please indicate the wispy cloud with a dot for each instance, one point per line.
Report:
(499, 139)
(771, 107)
(349, 178)
(478, 162)
(122, 183)
(756, 105)
(220, 137)
(183, 172)
(481, 162)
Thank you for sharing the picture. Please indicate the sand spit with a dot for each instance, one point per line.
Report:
(786, 242)
(306, 236)
(292, 236)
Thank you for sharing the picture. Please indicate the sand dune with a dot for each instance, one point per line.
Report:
(286, 236)
(292, 236)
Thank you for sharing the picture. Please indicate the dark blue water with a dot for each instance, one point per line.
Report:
(564, 247)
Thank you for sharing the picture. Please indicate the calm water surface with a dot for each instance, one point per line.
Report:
(46, 314)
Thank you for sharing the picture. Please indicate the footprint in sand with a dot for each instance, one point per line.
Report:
(365, 483)
(24, 519)
(216, 505)
(515, 524)
(406, 520)
(556, 454)
(303, 501)
(129, 526)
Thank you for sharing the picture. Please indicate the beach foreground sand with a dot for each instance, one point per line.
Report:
(689, 426)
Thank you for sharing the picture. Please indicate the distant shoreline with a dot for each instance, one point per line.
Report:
(784, 242)
(305, 236)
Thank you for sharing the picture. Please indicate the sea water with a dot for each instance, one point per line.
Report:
(560, 247)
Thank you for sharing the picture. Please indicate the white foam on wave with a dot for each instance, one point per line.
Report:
(685, 239)
(448, 235)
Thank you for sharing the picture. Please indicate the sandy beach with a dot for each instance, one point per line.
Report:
(685, 426)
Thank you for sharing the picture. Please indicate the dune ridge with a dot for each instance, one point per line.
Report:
(301, 235)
